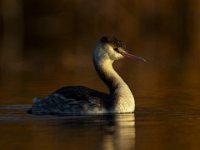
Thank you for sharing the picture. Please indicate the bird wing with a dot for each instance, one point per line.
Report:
(71, 100)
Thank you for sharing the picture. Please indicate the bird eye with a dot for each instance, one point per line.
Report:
(116, 49)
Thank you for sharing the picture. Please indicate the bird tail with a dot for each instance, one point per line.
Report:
(35, 109)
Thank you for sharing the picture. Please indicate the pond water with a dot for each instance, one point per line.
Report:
(167, 116)
(147, 129)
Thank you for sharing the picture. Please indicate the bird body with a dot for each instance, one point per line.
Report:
(79, 100)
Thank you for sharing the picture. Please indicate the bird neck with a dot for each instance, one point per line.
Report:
(117, 87)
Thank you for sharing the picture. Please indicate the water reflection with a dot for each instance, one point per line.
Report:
(66, 132)
(111, 132)
(157, 129)
(120, 134)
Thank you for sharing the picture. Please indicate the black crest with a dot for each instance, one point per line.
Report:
(114, 41)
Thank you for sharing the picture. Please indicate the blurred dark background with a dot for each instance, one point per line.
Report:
(47, 44)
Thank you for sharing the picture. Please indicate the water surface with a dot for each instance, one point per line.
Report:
(148, 128)
(167, 111)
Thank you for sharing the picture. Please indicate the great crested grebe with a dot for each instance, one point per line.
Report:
(80, 100)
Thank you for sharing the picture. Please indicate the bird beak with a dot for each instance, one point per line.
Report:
(128, 55)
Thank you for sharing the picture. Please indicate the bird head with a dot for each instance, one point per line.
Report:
(111, 48)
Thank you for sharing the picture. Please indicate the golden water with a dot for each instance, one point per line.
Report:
(167, 112)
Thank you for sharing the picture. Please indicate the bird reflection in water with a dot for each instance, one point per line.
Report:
(120, 133)
(102, 132)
